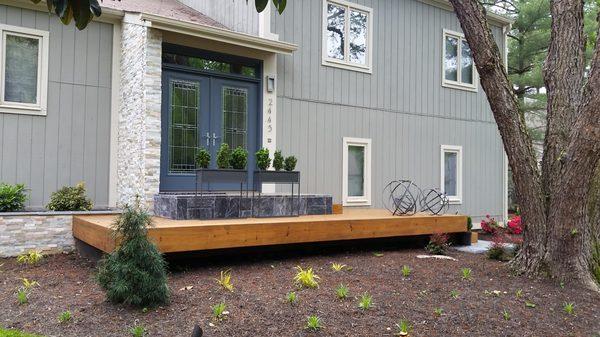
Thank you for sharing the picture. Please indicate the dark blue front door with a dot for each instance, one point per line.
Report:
(202, 111)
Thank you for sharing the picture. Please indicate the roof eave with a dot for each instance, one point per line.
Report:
(493, 18)
(218, 34)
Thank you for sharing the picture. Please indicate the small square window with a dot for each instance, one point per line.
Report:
(459, 71)
(357, 172)
(451, 173)
(23, 70)
(347, 35)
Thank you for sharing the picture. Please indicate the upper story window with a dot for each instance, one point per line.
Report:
(23, 70)
(347, 31)
(459, 71)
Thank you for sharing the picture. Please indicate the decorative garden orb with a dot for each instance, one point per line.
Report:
(434, 201)
(400, 197)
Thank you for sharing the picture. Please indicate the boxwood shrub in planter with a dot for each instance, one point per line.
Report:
(239, 158)
(262, 159)
(202, 158)
(290, 163)
(12, 197)
(70, 198)
(223, 156)
(278, 161)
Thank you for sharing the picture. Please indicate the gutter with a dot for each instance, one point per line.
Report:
(218, 34)
(493, 18)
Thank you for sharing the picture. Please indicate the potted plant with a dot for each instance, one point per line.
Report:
(262, 159)
(202, 158)
(239, 158)
(278, 161)
(290, 163)
(223, 156)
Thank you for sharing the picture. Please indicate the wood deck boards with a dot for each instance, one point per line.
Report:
(192, 235)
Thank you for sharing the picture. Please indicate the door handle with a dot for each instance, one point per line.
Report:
(207, 139)
(214, 138)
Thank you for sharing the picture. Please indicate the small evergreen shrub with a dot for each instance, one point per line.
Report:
(202, 158)
(290, 163)
(12, 197)
(262, 159)
(223, 156)
(239, 158)
(70, 198)
(278, 161)
(469, 223)
(135, 273)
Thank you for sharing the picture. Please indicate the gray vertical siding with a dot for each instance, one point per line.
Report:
(401, 106)
(238, 15)
(71, 143)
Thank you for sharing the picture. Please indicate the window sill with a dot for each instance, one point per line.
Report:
(356, 202)
(346, 66)
(22, 110)
(454, 201)
(459, 86)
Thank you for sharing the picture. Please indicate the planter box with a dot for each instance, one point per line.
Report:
(221, 176)
(281, 177)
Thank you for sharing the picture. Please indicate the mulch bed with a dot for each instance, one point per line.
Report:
(258, 307)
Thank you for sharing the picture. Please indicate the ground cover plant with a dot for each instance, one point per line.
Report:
(258, 306)
(70, 198)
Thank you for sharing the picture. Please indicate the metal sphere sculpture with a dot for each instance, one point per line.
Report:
(434, 201)
(400, 197)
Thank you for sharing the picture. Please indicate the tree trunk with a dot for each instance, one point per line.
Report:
(557, 237)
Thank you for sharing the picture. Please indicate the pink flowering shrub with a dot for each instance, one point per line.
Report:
(515, 226)
(489, 225)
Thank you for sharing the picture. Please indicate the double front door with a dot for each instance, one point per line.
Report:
(201, 111)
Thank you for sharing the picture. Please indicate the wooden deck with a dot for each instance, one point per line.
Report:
(193, 235)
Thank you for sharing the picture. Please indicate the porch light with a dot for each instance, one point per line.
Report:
(270, 83)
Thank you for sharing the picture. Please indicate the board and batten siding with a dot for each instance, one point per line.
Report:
(71, 143)
(401, 106)
(237, 15)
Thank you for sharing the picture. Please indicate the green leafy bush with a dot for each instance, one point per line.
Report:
(202, 158)
(278, 161)
(469, 223)
(70, 199)
(135, 273)
(262, 159)
(223, 156)
(12, 197)
(290, 163)
(239, 158)
(438, 244)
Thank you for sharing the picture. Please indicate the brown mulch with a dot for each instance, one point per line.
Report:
(258, 307)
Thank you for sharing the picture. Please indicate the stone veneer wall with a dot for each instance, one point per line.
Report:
(22, 233)
(138, 158)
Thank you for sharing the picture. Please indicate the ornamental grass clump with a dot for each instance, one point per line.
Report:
(306, 278)
(135, 273)
(70, 198)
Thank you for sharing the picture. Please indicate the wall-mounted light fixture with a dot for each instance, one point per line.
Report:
(270, 83)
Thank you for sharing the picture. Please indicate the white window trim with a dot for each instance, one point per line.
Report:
(343, 64)
(453, 199)
(366, 199)
(457, 84)
(40, 108)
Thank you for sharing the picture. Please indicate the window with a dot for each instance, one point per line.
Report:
(357, 172)
(183, 126)
(458, 69)
(24, 70)
(451, 173)
(204, 63)
(347, 35)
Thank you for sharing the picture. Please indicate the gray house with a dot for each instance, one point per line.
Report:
(362, 92)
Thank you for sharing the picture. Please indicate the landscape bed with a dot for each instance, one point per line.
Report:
(258, 307)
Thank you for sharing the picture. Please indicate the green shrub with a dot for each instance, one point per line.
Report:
(12, 197)
(469, 223)
(290, 163)
(239, 158)
(70, 199)
(262, 159)
(202, 158)
(15, 333)
(278, 161)
(135, 273)
(223, 156)
(438, 244)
